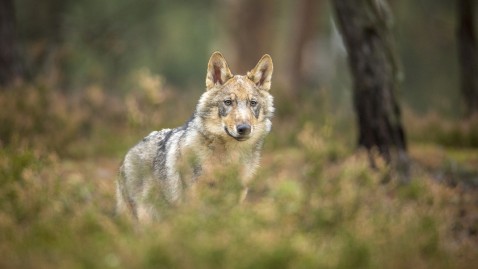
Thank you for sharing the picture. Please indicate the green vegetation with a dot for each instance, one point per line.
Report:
(314, 203)
(100, 75)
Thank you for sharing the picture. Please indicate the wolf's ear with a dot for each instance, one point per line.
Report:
(217, 71)
(262, 73)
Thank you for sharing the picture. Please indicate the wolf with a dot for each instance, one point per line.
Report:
(227, 128)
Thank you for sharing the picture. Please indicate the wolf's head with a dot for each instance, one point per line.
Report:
(237, 107)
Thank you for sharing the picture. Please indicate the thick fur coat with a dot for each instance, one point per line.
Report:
(227, 128)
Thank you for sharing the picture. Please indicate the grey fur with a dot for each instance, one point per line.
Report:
(165, 163)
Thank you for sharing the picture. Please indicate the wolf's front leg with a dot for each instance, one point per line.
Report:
(243, 196)
(171, 188)
(248, 170)
(145, 213)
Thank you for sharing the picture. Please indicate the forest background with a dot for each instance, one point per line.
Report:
(88, 79)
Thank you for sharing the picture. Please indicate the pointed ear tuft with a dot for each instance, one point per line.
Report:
(262, 73)
(217, 71)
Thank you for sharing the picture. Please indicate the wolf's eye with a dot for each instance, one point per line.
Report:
(228, 102)
(253, 102)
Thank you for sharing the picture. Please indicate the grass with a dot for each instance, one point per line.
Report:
(314, 203)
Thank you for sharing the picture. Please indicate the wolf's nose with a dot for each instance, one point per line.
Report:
(243, 129)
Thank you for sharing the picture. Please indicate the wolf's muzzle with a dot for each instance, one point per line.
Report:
(243, 129)
(241, 133)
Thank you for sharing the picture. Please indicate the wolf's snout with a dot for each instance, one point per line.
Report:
(243, 129)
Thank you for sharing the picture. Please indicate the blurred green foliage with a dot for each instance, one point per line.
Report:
(313, 204)
(79, 43)
(90, 42)
(58, 213)
(426, 39)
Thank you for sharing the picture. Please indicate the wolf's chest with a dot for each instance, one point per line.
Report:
(216, 162)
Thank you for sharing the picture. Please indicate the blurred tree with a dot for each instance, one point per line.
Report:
(305, 22)
(468, 55)
(9, 65)
(40, 30)
(365, 27)
(73, 44)
(250, 29)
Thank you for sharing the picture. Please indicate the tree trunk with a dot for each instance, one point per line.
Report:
(304, 30)
(9, 67)
(365, 27)
(468, 55)
(250, 31)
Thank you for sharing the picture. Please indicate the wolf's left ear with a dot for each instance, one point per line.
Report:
(217, 71)
(262, 73)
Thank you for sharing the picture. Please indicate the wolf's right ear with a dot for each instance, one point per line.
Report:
(217, 71)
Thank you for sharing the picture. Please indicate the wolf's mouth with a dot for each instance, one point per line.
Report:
(237, 137)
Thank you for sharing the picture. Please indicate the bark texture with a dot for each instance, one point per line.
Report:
(365, 28)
